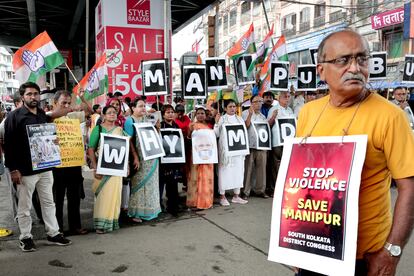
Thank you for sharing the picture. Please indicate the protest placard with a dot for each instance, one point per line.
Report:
(71, 145)
(43, 148)
(113, 155)
(315, 206)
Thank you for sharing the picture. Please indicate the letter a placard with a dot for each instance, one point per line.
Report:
(154, 77)
(194, 82)
(408, 75)
(306, 77)
(113, 155)
(173, 143)
(216, 73)
(149, 140)
(236, 139)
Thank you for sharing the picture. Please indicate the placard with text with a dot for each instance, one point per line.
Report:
(315, 206)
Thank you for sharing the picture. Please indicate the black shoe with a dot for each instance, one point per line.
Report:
(59, 239)
(27, 245)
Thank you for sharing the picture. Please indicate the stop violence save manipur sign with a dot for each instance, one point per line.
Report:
(315, 209)
(70, 142)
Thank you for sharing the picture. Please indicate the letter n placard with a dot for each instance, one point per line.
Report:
(149, 141)
(236, 140)
(113, 155)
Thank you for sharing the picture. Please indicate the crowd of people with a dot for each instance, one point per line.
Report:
(140, 195)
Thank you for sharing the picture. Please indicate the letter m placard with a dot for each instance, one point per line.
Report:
(236, 140)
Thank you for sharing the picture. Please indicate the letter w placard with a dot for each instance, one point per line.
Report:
(113, 155)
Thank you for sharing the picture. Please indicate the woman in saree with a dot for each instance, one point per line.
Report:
(120, 119)
(144, 200)
(107, 189)
(200, 189)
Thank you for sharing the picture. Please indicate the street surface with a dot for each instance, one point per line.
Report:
(230, 240)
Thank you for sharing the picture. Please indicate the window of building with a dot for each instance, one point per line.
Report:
(393, 42)
(320, 10)
(289, 21)
(233, 18)
(225, 45)
(305, 15)
(225, 23)
(245, 13)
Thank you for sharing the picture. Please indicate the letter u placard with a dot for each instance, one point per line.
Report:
(113, 155)
(237, 142)
(306, 77)
(408, 75)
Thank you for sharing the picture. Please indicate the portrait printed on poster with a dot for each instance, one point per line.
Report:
(204, 145)
(44, 151)
(113, 155)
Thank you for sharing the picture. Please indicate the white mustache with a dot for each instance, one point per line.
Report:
(359, 77)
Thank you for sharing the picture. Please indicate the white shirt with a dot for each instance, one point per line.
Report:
(256, 117)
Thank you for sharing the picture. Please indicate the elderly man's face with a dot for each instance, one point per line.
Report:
(347, 80)
(400, 95)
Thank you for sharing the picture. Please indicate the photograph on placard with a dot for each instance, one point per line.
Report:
(173, 144)
(204, 146)
(113, 155)
(150, 141)
(236, 139)
(44, 149)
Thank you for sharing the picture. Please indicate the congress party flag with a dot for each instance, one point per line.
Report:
(278, 53)
(36, 58)
(265, 85)
(244, 45)
(261, 52)
(95, 82)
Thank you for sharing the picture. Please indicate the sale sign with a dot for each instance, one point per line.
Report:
(136, 33)
(315, 209)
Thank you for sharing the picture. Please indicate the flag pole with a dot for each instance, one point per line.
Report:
(70, 71)
(267, 20)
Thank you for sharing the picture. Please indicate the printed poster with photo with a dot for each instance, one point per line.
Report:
(204, 146)
(315, 206)
(44, 151)
(71, 146)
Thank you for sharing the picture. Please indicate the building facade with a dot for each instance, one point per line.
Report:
(8, 85)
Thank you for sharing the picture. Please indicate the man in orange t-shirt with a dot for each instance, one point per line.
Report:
(343, 59)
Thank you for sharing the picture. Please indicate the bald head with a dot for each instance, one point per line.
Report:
(326, 42)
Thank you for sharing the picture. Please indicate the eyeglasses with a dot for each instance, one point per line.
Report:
(361, 60)
(257, 101)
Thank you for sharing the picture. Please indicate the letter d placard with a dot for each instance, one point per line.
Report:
(113, 155)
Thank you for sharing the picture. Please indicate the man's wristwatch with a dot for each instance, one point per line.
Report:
(393, 249)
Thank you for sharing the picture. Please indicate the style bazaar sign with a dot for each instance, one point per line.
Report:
(388, 18)
(138, 12)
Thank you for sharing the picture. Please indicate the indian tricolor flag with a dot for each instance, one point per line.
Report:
(261, 52)
(278, 53)
(36, 58)
(265, 85)
(95, 82)
(244, 45)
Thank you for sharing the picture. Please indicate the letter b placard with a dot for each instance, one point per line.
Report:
(378, 66)
(113, 155)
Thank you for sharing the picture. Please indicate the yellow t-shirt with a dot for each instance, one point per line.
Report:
(389, 154)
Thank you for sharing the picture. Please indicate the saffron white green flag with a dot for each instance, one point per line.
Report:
(244, 45)
(95, 82)
(261, 52)
(36, 58)
(278, 53)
